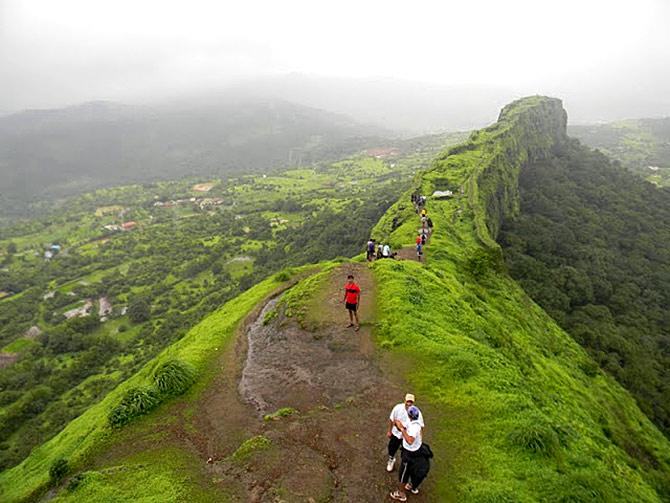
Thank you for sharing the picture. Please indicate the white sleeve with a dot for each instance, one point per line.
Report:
(421, 420)
(393, 415)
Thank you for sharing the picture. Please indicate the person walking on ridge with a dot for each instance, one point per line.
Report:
(399, 412)
(352, 296)
(371, 249)
(415, 461)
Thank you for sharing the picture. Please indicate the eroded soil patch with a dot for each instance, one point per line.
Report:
(333, 448)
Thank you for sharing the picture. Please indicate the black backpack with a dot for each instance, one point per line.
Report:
(426, 451)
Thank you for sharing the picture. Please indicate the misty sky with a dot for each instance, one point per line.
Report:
(54, 53)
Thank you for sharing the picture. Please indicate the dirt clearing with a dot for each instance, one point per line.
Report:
(327, 395)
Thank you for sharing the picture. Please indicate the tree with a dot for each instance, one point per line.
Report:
(139, 310)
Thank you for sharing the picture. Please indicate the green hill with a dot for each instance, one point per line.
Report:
(515, 409)
(641, 145)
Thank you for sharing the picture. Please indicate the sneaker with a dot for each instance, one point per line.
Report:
(390, 464)
(397, 495)
(408, 487)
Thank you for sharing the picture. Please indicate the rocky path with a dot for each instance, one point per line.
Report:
(333, 394)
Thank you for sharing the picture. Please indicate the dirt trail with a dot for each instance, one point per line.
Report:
(333, 448)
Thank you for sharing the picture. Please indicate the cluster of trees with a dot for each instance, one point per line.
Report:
(592, 247)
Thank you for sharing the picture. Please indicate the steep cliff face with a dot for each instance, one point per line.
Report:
(527, 130)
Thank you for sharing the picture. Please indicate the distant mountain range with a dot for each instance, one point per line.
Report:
(55, 153)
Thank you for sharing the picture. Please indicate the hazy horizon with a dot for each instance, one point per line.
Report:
(606, 60)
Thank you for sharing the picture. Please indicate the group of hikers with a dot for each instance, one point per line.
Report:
(378, 251)
(405, 424)
(419, 202)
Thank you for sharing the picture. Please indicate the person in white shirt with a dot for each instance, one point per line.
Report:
(394, 435)
(386, 252)
(411, 455)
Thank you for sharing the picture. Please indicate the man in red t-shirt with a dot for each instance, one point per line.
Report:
(352, 295)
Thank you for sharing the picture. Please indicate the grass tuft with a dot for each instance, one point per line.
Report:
(251, 446)
(58, 470)
(174, 377)
(278, 414)
(136, 402)
(534, 434)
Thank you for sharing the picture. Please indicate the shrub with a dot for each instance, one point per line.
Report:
(483, 262)
(283, 412)
(533, 433)
(136, 402)
(173, 377)
(269, 316)
(76, 481)
(58, 470)
(283, 275)
(251, 445)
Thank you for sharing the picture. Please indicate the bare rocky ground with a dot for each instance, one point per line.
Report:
(333, 447)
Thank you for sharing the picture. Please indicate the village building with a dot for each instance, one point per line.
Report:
(79, 312)
(104, 307)
(33, 332)
(6, 359)
(442, 194)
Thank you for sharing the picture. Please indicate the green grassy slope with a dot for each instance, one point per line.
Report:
(90, 430)
(518, 411)
(526, 412)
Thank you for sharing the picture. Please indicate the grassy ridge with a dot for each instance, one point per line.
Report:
(519, 411)
(525, 414)
(81, 437)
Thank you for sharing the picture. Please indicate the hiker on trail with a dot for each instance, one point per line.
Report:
(352, 295)
(424, 212)
(424, 221)
(380, 249)
(423, 238)
(419, 251)
(415, 455)
(430, 224)
(371, 249)
(418, 239)
(386, 252)
(399, 412)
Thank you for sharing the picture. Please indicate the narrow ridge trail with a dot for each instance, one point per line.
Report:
(333, 392)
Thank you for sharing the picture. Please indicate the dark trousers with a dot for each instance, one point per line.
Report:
(413, 468)
(394, 444)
